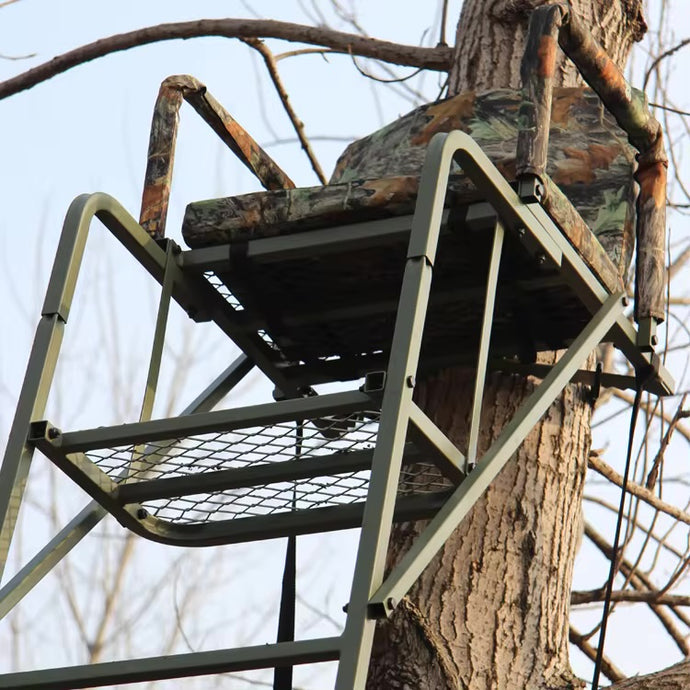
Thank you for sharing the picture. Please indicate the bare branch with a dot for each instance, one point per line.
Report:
(641, 582)
(392, 80)
(607, 667)
(111, 595)
(597, 500)
(654, 472)
(678, 263)
(597, 464)
(305, 51)
(297, 124)
(667, 417)
(668, 109)
(18, 57)
(438, 58)
(663, 56)
(444, 17)
(653, 597)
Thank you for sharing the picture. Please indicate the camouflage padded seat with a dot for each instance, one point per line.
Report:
(377, 176)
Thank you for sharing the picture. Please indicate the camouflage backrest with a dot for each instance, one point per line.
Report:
(589, 156)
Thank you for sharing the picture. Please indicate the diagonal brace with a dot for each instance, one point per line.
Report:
(468, 493)
(428, 437)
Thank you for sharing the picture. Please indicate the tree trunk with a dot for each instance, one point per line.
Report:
(491, 611)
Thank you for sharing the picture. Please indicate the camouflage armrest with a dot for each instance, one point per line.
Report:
(589, 159)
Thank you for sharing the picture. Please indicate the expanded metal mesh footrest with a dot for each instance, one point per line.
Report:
(236, 475)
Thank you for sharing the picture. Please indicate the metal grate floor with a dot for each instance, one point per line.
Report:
(260, 446)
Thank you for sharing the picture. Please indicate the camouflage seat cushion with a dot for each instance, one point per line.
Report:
(377, 176)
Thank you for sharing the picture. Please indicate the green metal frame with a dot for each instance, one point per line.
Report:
(401, 421)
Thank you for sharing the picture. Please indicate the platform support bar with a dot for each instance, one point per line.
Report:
(484, 341)
(459, 504)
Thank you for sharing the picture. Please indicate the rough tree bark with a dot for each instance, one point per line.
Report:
(491, 611)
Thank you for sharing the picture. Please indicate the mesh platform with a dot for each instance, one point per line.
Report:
(254, 472)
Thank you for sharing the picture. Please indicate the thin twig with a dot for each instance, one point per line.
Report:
(669, 109)
(444, 16)
(281, 141)
(641, 582)
(663, 56)
(111, 596)
(679, 262)
(597, 500)
(668, 418)
(658, 459)
(393, 80)
(352, 20)
(297, 124)
(18, 57)
(304, 51)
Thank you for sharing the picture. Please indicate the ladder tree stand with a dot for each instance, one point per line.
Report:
(291, 297)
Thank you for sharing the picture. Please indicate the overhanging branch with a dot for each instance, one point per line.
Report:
(438, 58)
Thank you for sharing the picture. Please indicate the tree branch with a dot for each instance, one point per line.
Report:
(653, 597)
(438, 58)
(642, 583)
(663, 56)
(297, 124)
(676, 677)
(607, 666)
(597, 464)
(666, 416)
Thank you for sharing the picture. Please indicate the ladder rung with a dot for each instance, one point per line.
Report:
(177, 666)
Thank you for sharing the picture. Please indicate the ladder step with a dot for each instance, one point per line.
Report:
(176, 666)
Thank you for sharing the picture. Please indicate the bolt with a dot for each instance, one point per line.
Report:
(391, 603)
(142, 513)
(654, 340)
(541, 258)
(521, 232)
(410, 381)
(53, 433)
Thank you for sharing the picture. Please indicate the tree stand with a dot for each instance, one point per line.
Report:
(508, 282)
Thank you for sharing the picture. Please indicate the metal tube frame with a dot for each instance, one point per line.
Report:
(176, 666)
(371, 596)
(484, 340)
(398, 409)
(70, 535)
(43, 360)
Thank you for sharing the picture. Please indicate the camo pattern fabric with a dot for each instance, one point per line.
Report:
(377, 176)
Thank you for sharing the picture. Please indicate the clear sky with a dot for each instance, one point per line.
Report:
(87, 130)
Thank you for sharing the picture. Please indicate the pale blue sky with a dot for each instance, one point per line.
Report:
(87, 130)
